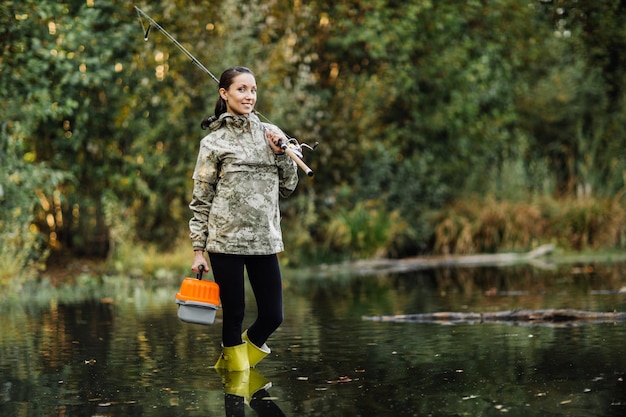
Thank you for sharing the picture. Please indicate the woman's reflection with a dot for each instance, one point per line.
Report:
(248, 387)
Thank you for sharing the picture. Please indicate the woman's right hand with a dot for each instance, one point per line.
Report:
(274, 138)
(199, 259)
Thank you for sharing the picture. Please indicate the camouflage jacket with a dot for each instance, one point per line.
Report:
(237, 183)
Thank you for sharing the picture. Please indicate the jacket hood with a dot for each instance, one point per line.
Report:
(236, 122)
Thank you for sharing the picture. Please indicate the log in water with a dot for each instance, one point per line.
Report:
(550, 316)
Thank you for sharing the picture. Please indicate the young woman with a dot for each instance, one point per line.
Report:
(240, 174)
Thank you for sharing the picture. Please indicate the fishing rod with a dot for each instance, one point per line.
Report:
(292, 148)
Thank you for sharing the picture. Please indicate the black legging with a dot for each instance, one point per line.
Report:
(265, 280)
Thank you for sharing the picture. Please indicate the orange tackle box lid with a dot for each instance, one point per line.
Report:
(200, 291)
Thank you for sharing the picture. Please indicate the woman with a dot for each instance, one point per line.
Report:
(240, 174)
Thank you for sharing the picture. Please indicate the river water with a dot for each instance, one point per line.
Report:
(125, 353)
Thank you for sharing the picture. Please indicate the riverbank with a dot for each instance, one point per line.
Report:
(544, 257)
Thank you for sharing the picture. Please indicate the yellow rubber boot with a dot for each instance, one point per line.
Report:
(234, 358)
(255, 353)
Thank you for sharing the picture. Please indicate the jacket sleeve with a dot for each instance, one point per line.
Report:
(287, 174)
(204, 181)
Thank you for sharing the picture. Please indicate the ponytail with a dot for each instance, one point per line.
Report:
(225, 81)
(220, 107)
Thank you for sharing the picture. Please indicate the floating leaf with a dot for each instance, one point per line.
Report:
(341, 380)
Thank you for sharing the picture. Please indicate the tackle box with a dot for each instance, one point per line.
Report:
(198, 300)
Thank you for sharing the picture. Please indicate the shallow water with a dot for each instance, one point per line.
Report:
(129, 355)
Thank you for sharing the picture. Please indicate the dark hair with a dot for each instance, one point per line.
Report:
(225, 81)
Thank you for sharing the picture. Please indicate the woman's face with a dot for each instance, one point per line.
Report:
(241, 95)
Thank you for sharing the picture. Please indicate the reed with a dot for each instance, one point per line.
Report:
(487, 225)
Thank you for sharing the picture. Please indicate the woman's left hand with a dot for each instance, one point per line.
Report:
(273, 139)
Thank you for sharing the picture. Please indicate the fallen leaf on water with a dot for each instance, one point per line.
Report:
(341, 380)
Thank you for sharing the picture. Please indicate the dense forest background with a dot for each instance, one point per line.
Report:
(444, 126)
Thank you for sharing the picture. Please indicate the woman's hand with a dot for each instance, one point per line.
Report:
(198, 260)
(273, 138)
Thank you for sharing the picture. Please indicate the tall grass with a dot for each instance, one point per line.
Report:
(364, 231)
(483, 225)
(369, 230)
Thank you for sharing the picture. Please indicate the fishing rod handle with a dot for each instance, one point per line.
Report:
(296, 158)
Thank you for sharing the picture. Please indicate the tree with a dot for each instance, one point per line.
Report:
(415, 103)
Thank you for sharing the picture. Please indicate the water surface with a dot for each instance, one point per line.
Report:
(127, 354)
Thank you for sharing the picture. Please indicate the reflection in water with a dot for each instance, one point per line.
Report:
(248, 387)
(135, 357)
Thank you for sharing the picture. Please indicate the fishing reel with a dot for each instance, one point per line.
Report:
(296, 147)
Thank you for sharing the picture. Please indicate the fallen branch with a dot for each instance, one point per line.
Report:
(552, 316)
(373, 266)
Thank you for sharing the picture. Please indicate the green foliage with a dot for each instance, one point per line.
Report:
(416, 104)
(22, 183)
(364, 231)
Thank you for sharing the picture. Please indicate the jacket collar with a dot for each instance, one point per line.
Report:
(237, 122)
